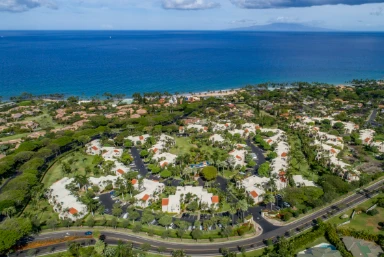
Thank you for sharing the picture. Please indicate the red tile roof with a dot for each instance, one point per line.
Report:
(284, 154)
(164, 164)
(367, 140)
(254, 194)
(134, 181)
(116, 151)
(246, 130)
(145, 197)
(141, 137)
(155, 150)
(165, 202)
(238, 157)
(215, 199)
(333, 150)
(269, 141)
(73, 211)
(120, 171)
(95, 148)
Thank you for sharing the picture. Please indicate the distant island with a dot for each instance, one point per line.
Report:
(289, 27)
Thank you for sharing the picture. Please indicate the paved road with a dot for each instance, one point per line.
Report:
(250, 243)
(143, 171)
(372, 117)
(259, 153)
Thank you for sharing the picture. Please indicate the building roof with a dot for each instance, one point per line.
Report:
(72, 211)
(165, 202)
(284, 154)
(215, 199)
(134, 181)
(145, 197)
(254, 194)
(360, 247)
(95, 148)
(120, 171)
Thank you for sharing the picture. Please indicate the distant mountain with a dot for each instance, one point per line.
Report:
(293, 27)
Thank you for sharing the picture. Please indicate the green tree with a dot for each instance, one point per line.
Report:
(165, 221)
(197, 234)
(209, 172)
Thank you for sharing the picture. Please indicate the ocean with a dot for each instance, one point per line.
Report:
(86, 63)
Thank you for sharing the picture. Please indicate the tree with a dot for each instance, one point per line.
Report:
(226, 232)
(165, 174)
(196, 234)
(178, 253)
(144, 153)
(145, 247)
(11, 230)
(209, 173)
(99, 247)
(269, 198)
(9, 211)
(263, 170)
(165, 221)
(147, 218)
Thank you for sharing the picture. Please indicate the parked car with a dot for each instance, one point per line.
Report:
(88, 233)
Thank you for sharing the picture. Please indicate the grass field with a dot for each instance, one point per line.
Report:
(363, 221)
(183, 146)
(45, 120)
(80, 161)
(17, 136)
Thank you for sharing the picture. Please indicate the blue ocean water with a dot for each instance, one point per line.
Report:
(93, 62)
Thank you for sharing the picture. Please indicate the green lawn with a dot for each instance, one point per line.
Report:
(16, 136)
(363, 221)
(80, 161)
(183, 146)
(45, 120)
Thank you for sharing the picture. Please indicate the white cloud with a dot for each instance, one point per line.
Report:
(189, 4)
(24, 5)
(267, 4)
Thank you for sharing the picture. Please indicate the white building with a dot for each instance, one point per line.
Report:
(254, 186)
(136, 139)
(300, 181)
(64, 202)
(149, 191)
(172, 203)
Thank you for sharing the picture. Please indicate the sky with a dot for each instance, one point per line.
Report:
(351, 15)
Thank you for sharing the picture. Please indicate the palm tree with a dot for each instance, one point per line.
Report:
(242, 205)
(9, 211)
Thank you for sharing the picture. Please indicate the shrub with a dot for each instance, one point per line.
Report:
(165, 174)
(209, 173)
(373, 212)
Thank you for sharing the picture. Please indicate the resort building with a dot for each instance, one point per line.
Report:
(149, 191)
(360, 247)
(172, 203)
(254, 186)
(136, 139)
(64, 202)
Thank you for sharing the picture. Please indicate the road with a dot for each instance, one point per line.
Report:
(212, 249)
(259, 153)
(372, 118)
(143, 171)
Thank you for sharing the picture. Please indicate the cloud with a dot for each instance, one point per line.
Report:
(189, 4)
(378, 12)
(269, 4)
(24, 5)
(242, 21)
(283, 19)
